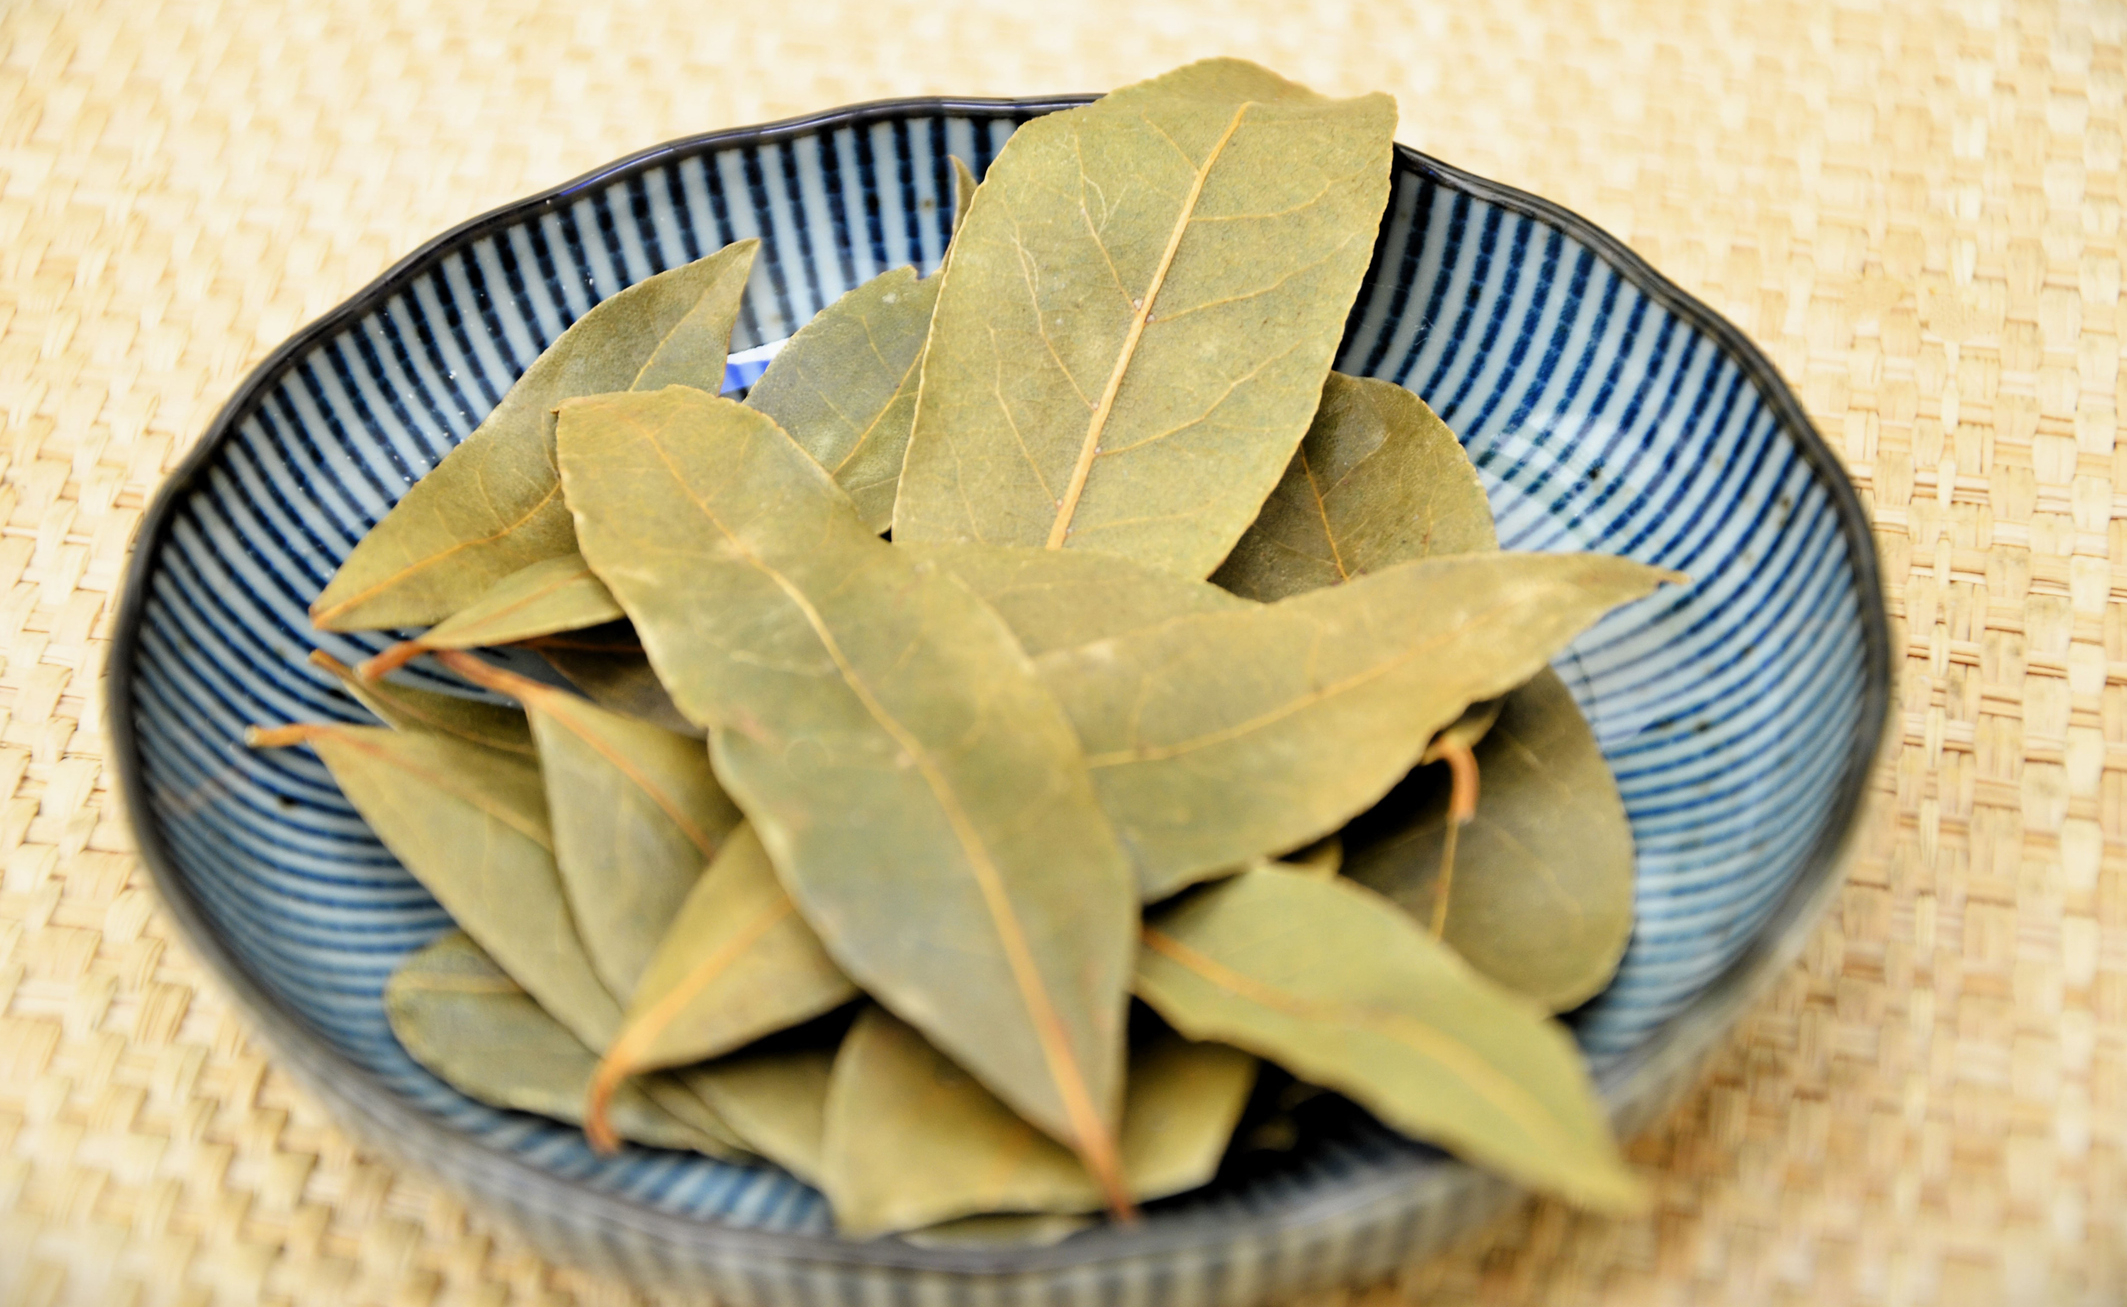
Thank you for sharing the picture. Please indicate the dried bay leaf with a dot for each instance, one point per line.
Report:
(1340, 987)
(964, 185)
(554, 594)
(1379, 480)
(494, 505)
(622, 683)
(461, 1016)
(887, 739)
(636, 814)
(1055, 599)
(844, 387)
(471, 825)
(774, 1100)
(737, 963)
(489, 725)
(1214, 737)
(912, 1140)
(1541, 897)
(1138, 315)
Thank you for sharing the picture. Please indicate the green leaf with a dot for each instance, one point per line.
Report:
(489, 725)
(775, 1100)
(607, 665)
(462, 1017)
(1379, 480)
(494, 505)
(1055, 599)
(1138, 315)
(1340, 987)
(844, 387)
(913, 1140)
(1217, 737)
(888, 740)
(471, 825)
(964, 185)
(1540, 899)
(555, 594)
(737, 963)
(636, 815)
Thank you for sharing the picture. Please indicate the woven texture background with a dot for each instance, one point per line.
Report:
(1915, 209)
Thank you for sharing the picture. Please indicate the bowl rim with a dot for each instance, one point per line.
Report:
(1631, 1084)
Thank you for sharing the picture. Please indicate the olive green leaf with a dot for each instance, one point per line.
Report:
(1216, 737)
(844, 387)
(471, 825)
(737, 963)
(462, 1017)
(775, 1100)
(1465, 731)
(1324, 857)
(1341, 988)
(1138, 315)
(487, 724)
(636, 815)
(555, 594)
(494, 505)
(1378, 480)
(964, 185)
(1055, 599)
(889, 741)
(620, 683)
(912, 1140)
(1541, 894)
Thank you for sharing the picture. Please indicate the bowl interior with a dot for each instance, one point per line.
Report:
(1601, 411)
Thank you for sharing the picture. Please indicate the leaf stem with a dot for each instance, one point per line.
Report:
(1462, 806)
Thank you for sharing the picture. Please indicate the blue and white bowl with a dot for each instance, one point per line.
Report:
(1605, 408)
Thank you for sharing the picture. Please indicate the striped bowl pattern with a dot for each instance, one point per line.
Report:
(1604, 408)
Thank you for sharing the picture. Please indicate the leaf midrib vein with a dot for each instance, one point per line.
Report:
(1069, 1077)
(1075, 489)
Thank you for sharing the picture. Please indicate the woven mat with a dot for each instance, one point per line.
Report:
(1916, 211)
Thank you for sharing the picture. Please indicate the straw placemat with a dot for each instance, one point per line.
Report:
(1916, 211)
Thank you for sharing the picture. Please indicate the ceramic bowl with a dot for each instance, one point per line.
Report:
(1605, 408)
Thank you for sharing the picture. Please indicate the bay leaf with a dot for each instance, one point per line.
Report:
(489, 725)
(887, 738)
(1138, 315)
(1465, 731)
(737, 963)
(1055, 599)
(554, 594)
(912, 1140)
(1215, 737)
(462, 1017)
(1341, 988)
(494, 504)
(844, 387)
(636, 814)
(622, 683)
(1323, 858)
(1541, 894)
(471, 825)
(964, 185)
(1379, 480)
(775, 1100)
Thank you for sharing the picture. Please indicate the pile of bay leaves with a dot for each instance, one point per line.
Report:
(1019, 646)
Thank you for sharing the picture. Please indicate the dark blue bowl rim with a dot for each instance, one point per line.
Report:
(1681, 1040)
